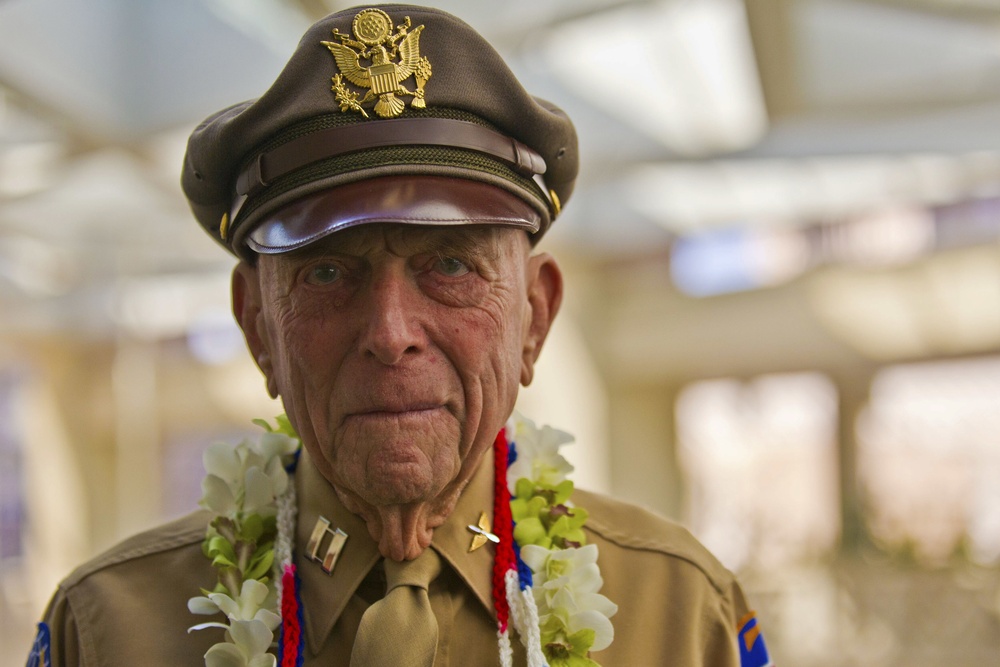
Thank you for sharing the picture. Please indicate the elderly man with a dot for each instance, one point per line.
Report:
(384, 198)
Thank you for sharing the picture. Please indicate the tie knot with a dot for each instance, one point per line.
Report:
(419, 572)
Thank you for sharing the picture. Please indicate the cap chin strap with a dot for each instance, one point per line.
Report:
(335, 141)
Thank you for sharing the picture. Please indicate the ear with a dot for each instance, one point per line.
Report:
(545, 290)
(247, 310)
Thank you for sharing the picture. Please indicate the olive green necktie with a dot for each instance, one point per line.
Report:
(400, 629)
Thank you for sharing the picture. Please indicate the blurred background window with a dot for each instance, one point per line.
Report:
(929, 455)
(760, 464)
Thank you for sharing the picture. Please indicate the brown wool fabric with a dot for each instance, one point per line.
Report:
(469, 82)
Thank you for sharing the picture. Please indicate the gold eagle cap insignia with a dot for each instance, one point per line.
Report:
(392, 57)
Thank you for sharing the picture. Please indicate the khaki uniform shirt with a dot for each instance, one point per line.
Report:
(677, 605)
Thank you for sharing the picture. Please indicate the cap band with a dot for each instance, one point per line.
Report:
(335, 141)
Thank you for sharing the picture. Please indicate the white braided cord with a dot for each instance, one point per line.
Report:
(506, 652)
(524, 613)
(286, 518)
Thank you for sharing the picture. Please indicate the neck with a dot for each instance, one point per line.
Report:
(402, 532)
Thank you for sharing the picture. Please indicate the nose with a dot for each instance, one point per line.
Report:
(392, 328)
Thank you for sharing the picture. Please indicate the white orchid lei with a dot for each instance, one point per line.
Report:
(244, 487)
(572, 615)
(551, 580)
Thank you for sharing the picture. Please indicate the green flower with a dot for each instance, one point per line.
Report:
(563, 649)
(544, 524)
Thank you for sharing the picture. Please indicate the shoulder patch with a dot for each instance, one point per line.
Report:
(753, 652)
(41, 649)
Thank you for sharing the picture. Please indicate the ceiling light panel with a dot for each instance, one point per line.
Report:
(681, 72)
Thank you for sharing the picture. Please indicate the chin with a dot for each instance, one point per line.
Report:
(401, 485)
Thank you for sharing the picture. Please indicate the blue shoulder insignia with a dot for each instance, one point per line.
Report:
(753, 652)
(41, 650)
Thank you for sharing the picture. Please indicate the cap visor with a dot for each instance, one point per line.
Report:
(411, 200)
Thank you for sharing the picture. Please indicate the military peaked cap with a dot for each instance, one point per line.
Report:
(379, 111)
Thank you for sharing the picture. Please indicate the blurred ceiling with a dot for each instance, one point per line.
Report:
(693, 115)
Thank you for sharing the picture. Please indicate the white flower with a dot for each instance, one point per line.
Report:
(222, 460)
(202, 605)
(249, 606)
(217, 496)
(251, 639)
(538, 457)
(566, 584)
(275, 445)
(259, 491)
(574, 568)
(251, 626)
(248, 477)
(586, 610)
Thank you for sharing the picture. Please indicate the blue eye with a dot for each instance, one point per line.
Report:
(323, 274)
(452, 267)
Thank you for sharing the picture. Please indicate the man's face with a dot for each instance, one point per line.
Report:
(398, 349)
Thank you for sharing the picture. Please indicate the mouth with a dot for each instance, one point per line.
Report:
(397, 411)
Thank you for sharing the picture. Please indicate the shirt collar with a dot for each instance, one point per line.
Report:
(325, 596)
